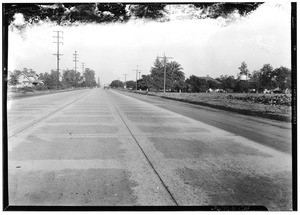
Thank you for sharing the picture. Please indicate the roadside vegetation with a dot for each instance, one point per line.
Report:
(49, 82)
(265, 92)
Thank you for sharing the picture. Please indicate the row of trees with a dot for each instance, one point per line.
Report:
(53, 80)
(259, 80)
(155, 80)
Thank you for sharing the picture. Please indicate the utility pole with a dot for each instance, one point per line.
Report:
(165, 61)
(118, 82)
(137, 70)
(57, 53)
(125, 79)
(75, 60)
(139, 75)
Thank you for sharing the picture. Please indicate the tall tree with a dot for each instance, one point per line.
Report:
(244, 69)
(69, 78)
(89, 78)
(157, 74)
(116, 84)
(282, 77)
(255, 80)
(267, 80)
(175, 76)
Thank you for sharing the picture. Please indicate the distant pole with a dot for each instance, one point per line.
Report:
(75, 60)
(139, 75)
(118, 82)
(57, 53)
(125, 80)
(165, 61)
(137, 70)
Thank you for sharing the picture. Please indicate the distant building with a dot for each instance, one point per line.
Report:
(243, 77)
(29, 79)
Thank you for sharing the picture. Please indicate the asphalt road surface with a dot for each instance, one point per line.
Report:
(102, 148)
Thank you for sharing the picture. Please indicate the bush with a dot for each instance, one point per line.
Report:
(264, 99)
(26, 89)
(41, 87)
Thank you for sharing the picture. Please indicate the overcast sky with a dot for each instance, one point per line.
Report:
(202, 46)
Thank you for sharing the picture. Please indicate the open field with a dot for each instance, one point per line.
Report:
(272, 106)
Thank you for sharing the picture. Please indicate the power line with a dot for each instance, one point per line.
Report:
(165, 61)
(75, 60)
(57, 53)
(137, 66)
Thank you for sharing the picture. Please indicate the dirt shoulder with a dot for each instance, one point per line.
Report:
(274, 106)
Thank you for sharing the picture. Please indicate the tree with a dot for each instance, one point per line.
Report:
(241, 86)
(282, 77)
(196, 84)
(228, 82)
(213, 84)
(244, 70)
(69, 78)
(145, 83)
(13, 77)
(267, 80)
(116, 84)
(89, 78)
(175, 76)
(157, 75)
(51, 80)
(130, 84)
(255, 80)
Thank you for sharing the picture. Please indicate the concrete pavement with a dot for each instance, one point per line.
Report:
(101, 148)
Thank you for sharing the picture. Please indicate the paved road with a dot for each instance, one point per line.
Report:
(268, 132)
(96, 147)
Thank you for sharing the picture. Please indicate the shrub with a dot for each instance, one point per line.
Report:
(282, 99)
(41, 87)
